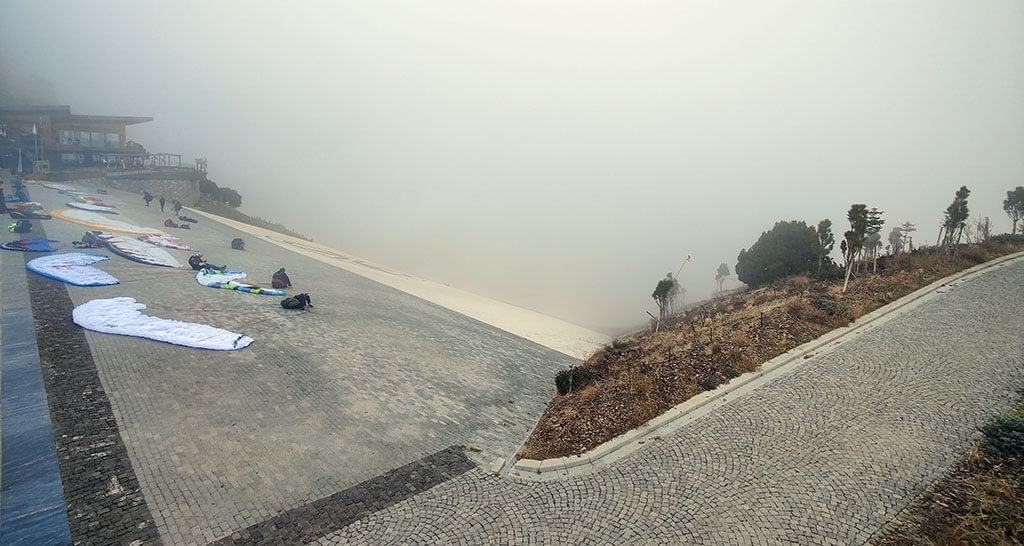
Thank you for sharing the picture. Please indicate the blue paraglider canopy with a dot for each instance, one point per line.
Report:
(30, 245)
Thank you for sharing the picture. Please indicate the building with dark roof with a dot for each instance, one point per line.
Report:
(66, 140)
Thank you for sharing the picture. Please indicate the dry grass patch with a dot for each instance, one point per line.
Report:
(979, 501)
(638, 378)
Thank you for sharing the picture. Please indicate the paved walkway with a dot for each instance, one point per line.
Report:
(825, 455)
(366, 421)
(372, 379)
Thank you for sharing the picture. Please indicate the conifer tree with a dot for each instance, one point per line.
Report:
(854, 239)
(1014, 206)
(826, 241)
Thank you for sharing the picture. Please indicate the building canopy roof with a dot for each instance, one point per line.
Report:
(127, 120)
(63, 113)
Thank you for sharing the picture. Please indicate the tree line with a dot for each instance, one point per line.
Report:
(793, 247)
(220, 194)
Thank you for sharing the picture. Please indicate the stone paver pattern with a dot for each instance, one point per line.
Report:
(370, 380)
(827, 454)
(230, 445)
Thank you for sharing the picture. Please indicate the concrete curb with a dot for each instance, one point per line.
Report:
(703, 403)
(556, 334)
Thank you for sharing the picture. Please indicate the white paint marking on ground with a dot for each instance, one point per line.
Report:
(557, 334)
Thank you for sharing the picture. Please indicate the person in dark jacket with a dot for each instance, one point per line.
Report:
(297, 302)
(146, 195)
(281, 279)
(162, 201)
(90, 240)
(197, 262)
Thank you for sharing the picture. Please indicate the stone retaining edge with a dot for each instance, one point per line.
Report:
(701, 404)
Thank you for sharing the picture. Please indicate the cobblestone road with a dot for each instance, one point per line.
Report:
(825, 455)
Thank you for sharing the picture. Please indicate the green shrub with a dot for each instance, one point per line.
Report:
(708, 383)
(572, 380)
(1007, 238)
(825, 304)
(1004, 437)
(830, 271)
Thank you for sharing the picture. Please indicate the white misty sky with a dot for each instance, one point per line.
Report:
(558, 155)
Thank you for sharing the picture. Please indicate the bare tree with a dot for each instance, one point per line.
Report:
(984, 229)
(979, 231)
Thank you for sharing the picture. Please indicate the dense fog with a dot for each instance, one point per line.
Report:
(562, 156)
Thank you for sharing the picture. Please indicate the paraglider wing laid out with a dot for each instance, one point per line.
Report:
(136, 250)
(228, 281)
(30, 215)
(165, 241)
(30, 245)
(95, 201)
(29, 209)
(92, 207)
(122, 316)
(62, 187)
(73, 268)
(102, 222)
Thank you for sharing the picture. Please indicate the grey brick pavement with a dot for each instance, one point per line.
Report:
(825, 455)
(372, 379)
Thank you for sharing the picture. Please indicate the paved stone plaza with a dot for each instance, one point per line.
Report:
(368, 381)
(367, 420)
(825, 455)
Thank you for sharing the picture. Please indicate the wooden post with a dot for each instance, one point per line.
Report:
(658, 321)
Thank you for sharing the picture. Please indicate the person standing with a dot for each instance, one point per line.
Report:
(162, 201)
(177, 207)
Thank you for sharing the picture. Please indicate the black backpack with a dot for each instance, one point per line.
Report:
(21, 226)
(297, 302)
